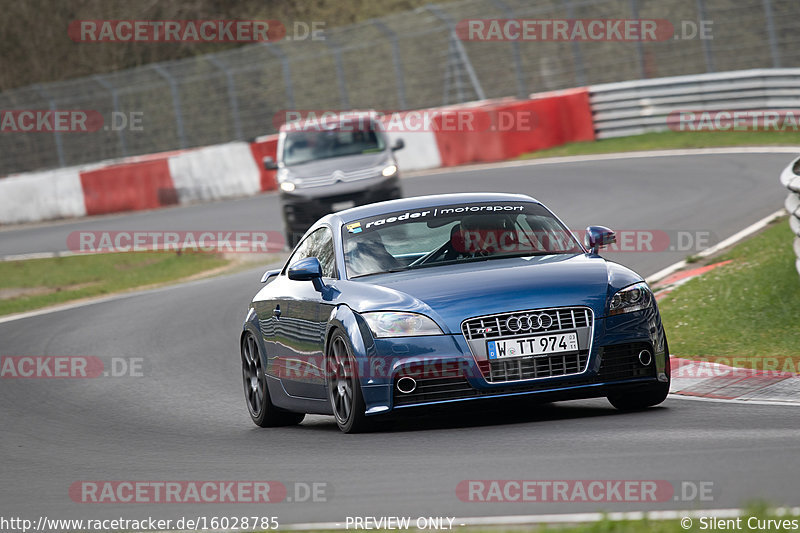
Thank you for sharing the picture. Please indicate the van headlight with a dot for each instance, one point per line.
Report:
(389, 170)
(633, 298)
(283, 180)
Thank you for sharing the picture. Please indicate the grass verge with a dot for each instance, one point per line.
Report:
(36, 283)
(667, 140)
(745, 311)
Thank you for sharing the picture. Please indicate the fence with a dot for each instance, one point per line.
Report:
(410, 60)
(791, 180)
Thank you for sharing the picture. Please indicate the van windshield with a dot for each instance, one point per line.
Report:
(326, 142)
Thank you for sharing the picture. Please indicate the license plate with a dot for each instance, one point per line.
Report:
(339, 206)
(538, 345)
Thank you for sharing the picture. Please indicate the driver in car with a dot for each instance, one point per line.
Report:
(483, 235)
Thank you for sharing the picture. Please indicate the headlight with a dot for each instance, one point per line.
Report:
(391, 170)
(283, 180)
(392, 324)
(633, 298)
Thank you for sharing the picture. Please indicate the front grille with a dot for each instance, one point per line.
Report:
(497, 326)
(547, 366)
(617, 363)
(352, 175)
(479, 330)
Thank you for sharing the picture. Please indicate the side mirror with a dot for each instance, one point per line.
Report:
(269, 274)
(269, 163)
(598, 236)
(398, 145)
(307, 269)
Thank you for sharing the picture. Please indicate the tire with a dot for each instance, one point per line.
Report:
(256, 395)
(638, 401)
(344, 388)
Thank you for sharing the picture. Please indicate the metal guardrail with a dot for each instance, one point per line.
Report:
(790, 178)
(410, 60)
(642, 106)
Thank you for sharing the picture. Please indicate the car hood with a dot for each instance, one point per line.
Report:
(326, 167)
(450, 294)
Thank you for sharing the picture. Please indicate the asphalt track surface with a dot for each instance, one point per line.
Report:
(185, 418)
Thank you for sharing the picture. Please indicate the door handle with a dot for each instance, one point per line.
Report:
(277, 311)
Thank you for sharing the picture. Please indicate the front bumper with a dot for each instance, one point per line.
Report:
(302, 207)
(446, 372)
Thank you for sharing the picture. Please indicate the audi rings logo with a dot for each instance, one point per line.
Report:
(529, 322)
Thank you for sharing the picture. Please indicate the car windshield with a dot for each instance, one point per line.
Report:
(452, 234)
(324, 142)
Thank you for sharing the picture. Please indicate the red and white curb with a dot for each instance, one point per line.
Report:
(666, 285)
(716, 381)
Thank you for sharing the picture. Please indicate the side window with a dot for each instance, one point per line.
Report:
(322, 249)
(320, 245)
(300, 253)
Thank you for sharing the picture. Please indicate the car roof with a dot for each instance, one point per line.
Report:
(421, 202)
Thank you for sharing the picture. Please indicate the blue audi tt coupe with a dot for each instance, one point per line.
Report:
(459, 298)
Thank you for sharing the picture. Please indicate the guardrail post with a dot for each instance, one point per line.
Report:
(287, 72)
(234, 102)
(398, 66)
(123, 145)
(176, 102)
(773, 40)
(56, 134)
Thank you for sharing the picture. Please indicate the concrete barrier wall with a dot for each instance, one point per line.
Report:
(46, 195)
(132, 186)
(215, 172)
(499, 130)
